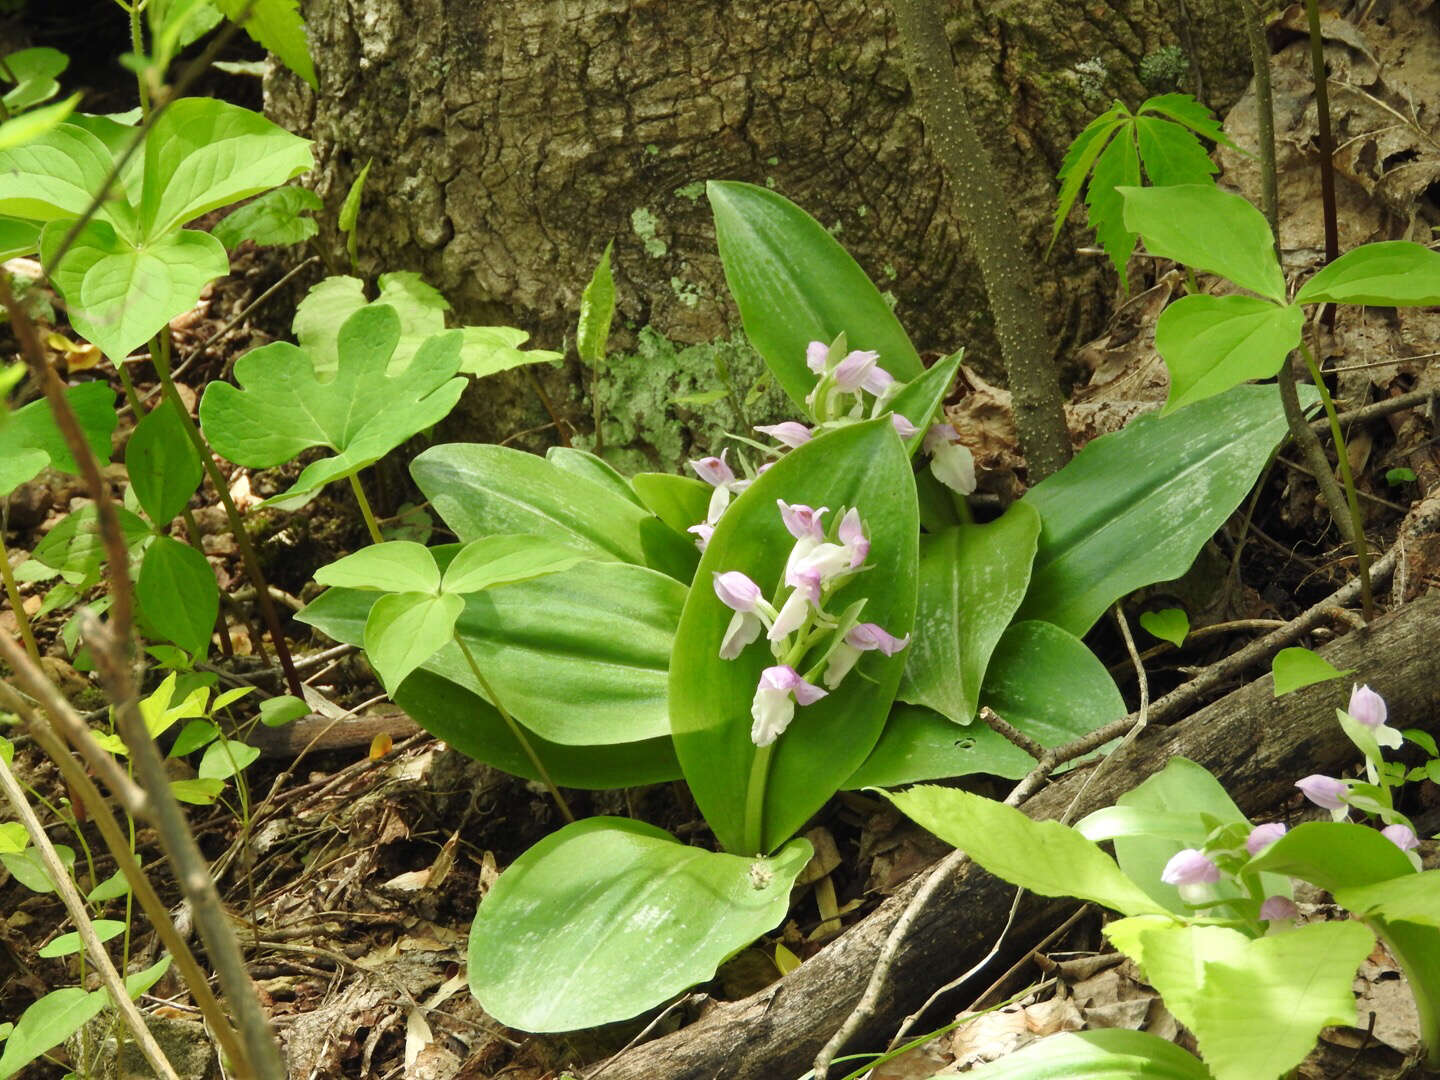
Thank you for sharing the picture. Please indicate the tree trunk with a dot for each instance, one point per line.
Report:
(1255, 744)
(513, 139)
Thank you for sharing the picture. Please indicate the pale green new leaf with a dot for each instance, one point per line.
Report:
(406, 629)
(1117, 166)
(18, 237)
(1334, 855)
(362, 414)
(13, 838)
(226, 757)
(348, 221)
(276, 24)
(69, 944)
(493, 561)
(31, 125)
(1044, 857)
(972, 579)
(1295, 667)
(395, 566)
(162, 463)
(30, 440)
(608, 917)
(324, 309)
(1170, 624)
(1413, 898)
(1103, 1054)
(1395, 273)
(1211, 343)
(597, 309)
(33, 72)
(196, 792)
(1205, 228)
(491, 349)
(54, 175)
(26, 868)
(119, 295)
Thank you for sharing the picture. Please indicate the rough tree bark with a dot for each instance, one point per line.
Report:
(513, 139)
(1255, 744)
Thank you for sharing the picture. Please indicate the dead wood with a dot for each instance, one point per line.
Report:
(1255, 744)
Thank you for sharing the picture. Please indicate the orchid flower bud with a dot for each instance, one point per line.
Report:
(736, 591)
(790, 433)
(1402, 836)
(858, 370)
(817, 357)
(1190, 867)
(715, 471)
(903, 427)
(1328, 792)
(1276, 908)
(1368, 708)
(852, 536)
(802, 521)
(1262, 836)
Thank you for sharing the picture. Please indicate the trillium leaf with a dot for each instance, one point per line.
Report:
(1045, 857)
(162, 464)
(394, 566)
(120, 295)
(483, 490)
(178, 595)
(920, 744)
(492, 561)
(1211, 343)
(1103, 1054)
(29, 439)
(1296, 667)
(972, 579)
(608, 917)
(864, 466)
(406, 629)
(795, 284)
(1135, 507)
(362, 414)
(1395, 273)
(1207, 229)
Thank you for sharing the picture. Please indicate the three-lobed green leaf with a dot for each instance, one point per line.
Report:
(1211, 343)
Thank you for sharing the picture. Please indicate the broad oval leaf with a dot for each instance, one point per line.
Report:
(1208, 229)
(404, 630)
(608, 917)
(1414, 898)
(1043, 856)
(481, 490)
(120, 295)
(178, 594)
(47, 1023)
(795, 284)
(1211, 343)
(580, 657)
(162, 463)
(1135, 507)
(1333, 855)
(597, 470)
(971, 581)
(1296, 667)
(493, 561)
(1104, 1054)
(864, 466)
(679, 501)
(30, 440)
(1168, 624)
(70, 944)
(54, 175)
(394, 566)
(1395, 273)
(362, 414)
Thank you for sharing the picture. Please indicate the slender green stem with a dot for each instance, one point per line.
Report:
(160, 356)
(755, 799)
(137, 45)
(365, 511)
(515, 730)
(1357, 522)
(128, 385)
(12, 591)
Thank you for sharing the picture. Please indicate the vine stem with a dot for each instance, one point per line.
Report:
(515, 730)
(160, 357)
(365, 511)
(1357, 521)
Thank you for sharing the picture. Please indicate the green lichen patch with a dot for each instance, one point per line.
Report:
(644, 223)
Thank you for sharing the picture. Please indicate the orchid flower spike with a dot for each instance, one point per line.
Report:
(780, 689)
(752, 611)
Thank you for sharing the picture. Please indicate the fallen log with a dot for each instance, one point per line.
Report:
(1255, 744)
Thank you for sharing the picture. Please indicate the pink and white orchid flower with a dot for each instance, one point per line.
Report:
(780, 689)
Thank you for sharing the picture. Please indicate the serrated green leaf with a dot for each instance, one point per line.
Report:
(1203, 227)
(1079, 159)
(1211, 343)
(362, 414)
(1170, 624)
(273, 219)
(972, 579)
(1394, 273)
(406, 629)
(1117, 165)
(597, 309)
(162, 463)
(178, 595)
(795, 284)
(1184, 109)
(120, 295)
(276, 24)
(321, 313)
(394, 566)
(1295, 667)
(608, 917)
(1044, 857)
(30, 440)
(1170, 154)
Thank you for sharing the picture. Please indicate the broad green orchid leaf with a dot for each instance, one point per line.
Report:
(795, 284)
(1211, 343)
(608, 917)
(595, 469)
(678, 501)
(972, 580)
(862, 466)
(1207, 229)
(1413, 898)
(29, 439)
(281, 408)
(1395, 273)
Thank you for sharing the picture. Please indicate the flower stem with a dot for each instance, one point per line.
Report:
(365, 511)
(755, 799)
(1362, 552)
(515, 730)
